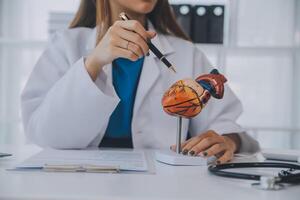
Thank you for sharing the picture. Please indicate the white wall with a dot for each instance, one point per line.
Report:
(266, 23)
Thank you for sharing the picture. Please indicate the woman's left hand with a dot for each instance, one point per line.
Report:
(210, 144)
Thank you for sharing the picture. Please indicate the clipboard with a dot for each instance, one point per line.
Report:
(89, 160)
(82, 168)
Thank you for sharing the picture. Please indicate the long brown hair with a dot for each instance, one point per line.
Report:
(94, 12)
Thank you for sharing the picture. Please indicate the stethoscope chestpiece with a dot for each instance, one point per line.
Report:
(268, 183)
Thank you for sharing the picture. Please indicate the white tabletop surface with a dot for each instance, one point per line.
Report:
(166, 182)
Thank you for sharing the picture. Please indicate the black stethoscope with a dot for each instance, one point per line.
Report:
(266, 182)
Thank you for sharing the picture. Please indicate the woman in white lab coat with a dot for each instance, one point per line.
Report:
(96, 85)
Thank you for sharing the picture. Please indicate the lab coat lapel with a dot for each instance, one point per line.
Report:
(91, 42)
(148, 77)
(151, 69)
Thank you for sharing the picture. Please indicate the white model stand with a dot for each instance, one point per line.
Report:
(176, 158)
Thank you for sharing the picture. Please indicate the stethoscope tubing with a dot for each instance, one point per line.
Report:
(288, 178)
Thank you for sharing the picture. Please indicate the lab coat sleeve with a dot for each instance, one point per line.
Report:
(61, 106)
(220, 115)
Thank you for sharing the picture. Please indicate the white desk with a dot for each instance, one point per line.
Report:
(166, 183)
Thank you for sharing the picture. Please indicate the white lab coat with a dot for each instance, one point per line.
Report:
(63, 108)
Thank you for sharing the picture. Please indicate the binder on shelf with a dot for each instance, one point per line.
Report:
(200, 24)
(216, 24)
(183, 13)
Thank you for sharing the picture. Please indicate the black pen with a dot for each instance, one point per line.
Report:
(5, 155)
(152, 47)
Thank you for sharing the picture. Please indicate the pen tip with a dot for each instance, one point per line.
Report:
(173, 69)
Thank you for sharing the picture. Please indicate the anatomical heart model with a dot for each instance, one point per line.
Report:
(186, 98)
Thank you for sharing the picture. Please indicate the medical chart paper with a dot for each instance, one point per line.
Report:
(128, 160)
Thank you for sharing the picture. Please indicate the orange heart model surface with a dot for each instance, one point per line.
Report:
(186, 98)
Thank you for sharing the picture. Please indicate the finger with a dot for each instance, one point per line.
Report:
(123, 53)
(205, 144)
(173, 147)
(183, 144)
(190, 144)
(219, 155)
(119, 42)
(133, 25)
(151, 34)
(134, 38)
(195, 140)
(135, 49)
(214, 150)
(227, 156)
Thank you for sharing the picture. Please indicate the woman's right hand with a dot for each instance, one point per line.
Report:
(126, 39)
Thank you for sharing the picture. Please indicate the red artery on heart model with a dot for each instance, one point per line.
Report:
(186, 98)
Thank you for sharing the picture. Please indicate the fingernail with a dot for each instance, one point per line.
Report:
(218, 162)
(204, 153)
(185, 151)
(192, 153)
